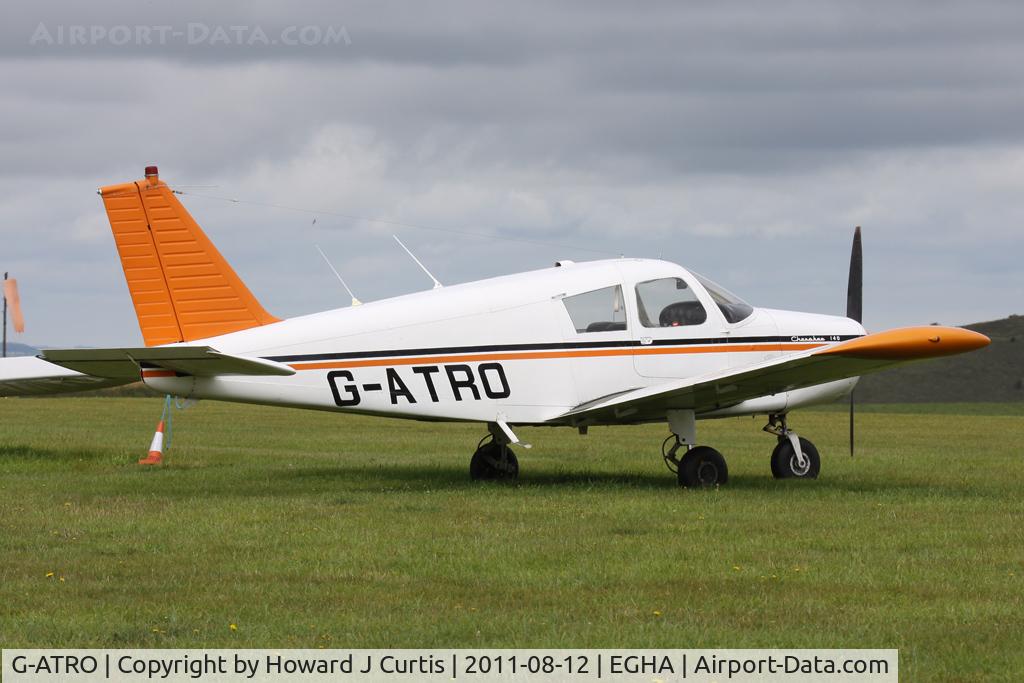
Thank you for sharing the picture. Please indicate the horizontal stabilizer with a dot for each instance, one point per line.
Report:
(199, 361)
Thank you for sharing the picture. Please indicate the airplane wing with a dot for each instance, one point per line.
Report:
(65, 370)
(793, 371)
(31, 376)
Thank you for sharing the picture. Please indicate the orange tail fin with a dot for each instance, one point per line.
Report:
(181, 286)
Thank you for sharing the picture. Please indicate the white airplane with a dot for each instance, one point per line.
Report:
(620, 341)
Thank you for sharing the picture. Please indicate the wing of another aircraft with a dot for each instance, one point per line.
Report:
(793, 371)
(31, 376)
(65, 370)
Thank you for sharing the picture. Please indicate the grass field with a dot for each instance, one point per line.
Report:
(309, 529)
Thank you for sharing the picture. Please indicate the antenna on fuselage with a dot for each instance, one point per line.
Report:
(437, 283)
(355, 301)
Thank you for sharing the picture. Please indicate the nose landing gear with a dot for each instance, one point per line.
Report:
(794, 457)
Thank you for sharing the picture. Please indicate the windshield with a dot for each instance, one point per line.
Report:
(733, 308)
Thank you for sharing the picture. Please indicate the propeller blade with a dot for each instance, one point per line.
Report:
(855, 287)
(855, 302)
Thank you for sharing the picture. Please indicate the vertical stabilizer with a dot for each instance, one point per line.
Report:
(181, 286)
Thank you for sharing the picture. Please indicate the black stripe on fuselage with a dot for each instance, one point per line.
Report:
(558, 346)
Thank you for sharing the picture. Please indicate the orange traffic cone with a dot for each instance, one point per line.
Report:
(156, 448)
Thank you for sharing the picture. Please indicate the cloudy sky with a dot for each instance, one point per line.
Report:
(741, 141)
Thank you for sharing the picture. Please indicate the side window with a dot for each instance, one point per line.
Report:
(668, 302)
(601, 310)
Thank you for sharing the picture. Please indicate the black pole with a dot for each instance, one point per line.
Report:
(851, 422)
(5, 317)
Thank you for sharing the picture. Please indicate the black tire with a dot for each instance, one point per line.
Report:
(486, 464)
(776, 473)
(702, 467)
(784, 464)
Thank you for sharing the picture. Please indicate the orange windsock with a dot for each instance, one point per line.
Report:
(14, 304)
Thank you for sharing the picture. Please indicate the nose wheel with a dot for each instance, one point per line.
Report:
(786, 464)
(794, 457)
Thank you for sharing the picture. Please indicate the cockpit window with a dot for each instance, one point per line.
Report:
(733, 308)
(668, 302)
(601, 310)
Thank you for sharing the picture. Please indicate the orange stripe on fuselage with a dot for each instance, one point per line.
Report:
(547, 355)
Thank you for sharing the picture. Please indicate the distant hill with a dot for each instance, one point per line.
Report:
(16, 349)
(995, 373)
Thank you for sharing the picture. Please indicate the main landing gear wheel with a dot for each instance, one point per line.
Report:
(786, 464)
(493, 461)
(702, 467)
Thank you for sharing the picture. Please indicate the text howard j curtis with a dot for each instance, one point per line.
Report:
(197, 667)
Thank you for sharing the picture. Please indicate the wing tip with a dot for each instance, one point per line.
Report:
(911, 343)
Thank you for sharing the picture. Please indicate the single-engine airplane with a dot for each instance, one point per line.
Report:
(620, 341)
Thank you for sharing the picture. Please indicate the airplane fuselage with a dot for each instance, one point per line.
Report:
(524, 348)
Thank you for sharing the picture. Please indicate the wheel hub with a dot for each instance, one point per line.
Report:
(800, 460)
(707, 473)
(799, 469)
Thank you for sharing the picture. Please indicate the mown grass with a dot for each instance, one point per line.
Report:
(310, 529)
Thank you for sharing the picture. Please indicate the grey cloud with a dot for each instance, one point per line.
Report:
(734, 138)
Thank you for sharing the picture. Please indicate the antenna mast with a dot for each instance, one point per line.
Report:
(355, 301)
(437, 283)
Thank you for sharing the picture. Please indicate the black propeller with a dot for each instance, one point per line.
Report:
(855, 300)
